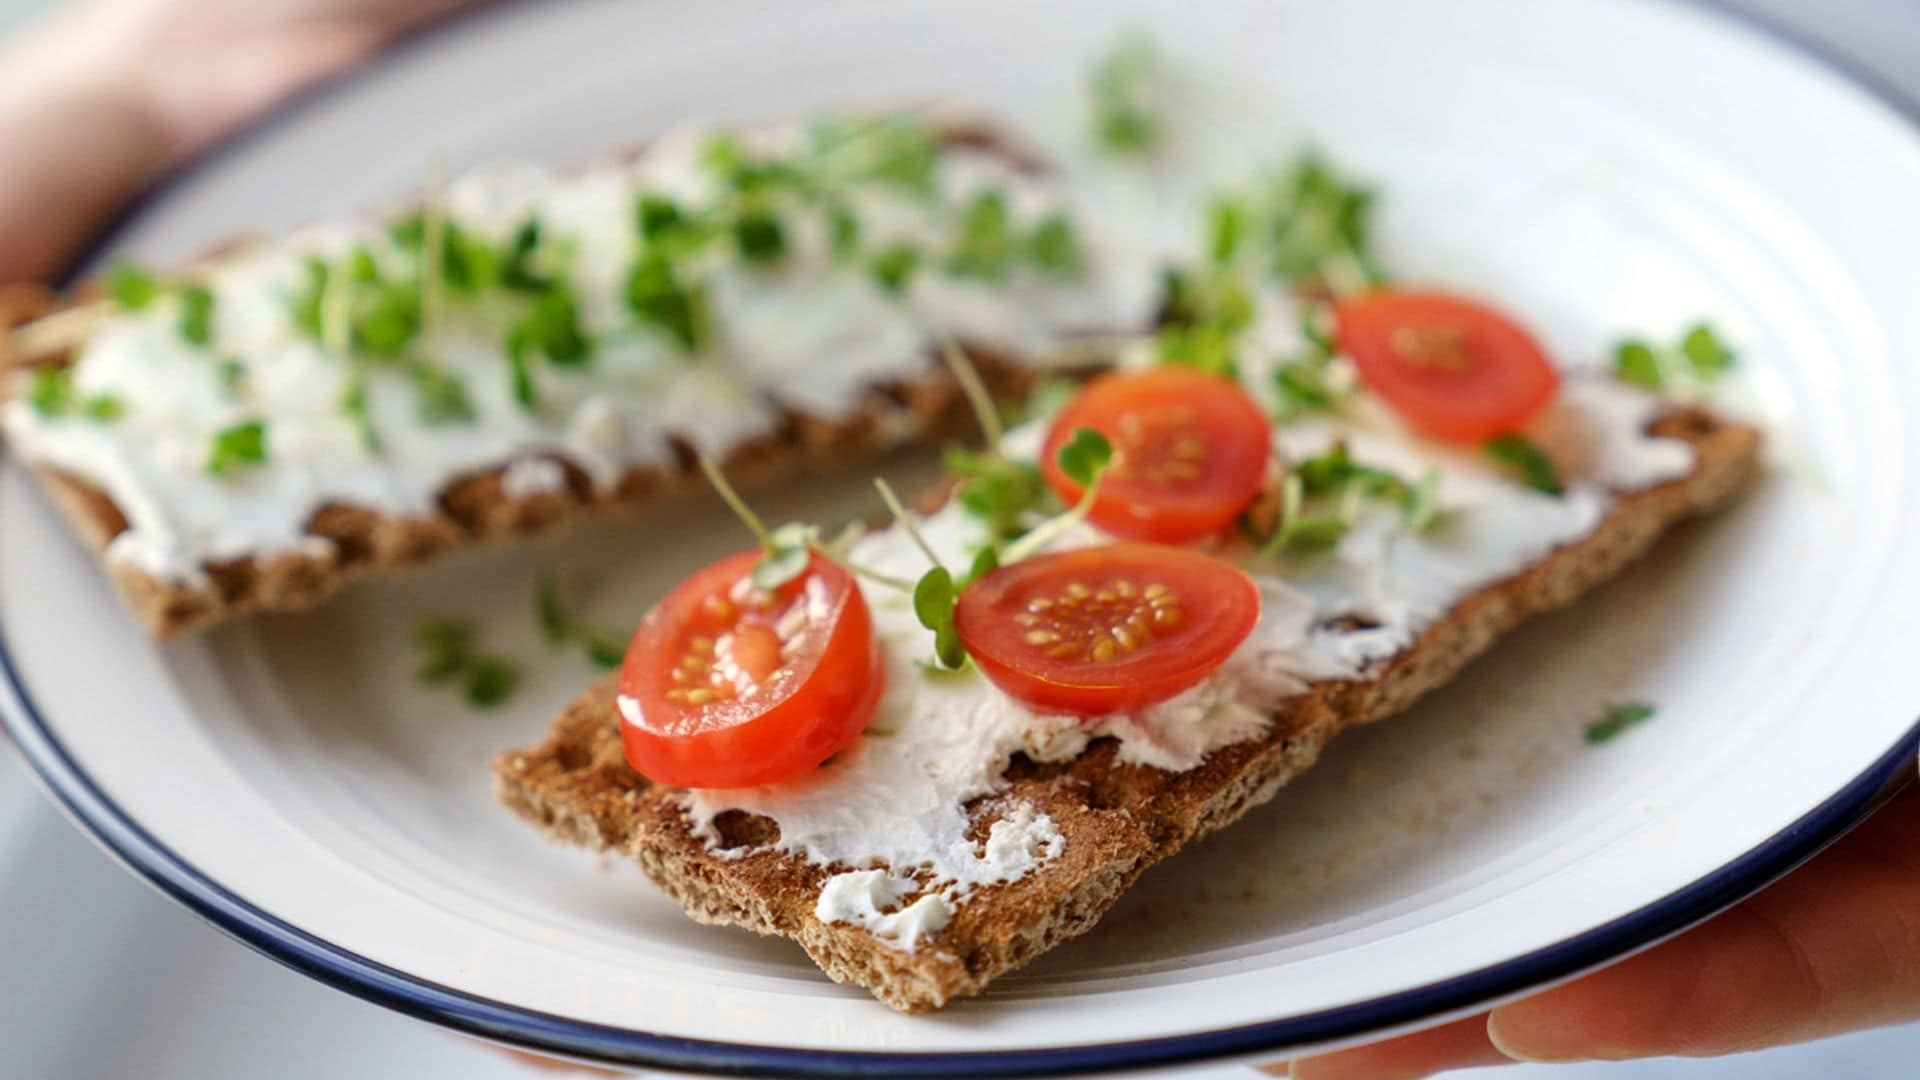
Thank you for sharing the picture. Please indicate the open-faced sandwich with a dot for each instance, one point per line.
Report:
(524, 348)
(930, 752)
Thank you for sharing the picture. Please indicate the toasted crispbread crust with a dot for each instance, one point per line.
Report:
(1118, 819)
(475, 510)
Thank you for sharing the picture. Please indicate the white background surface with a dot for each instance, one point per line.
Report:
(102, 978)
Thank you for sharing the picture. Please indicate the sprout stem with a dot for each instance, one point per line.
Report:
(905, 519)
(737, 504)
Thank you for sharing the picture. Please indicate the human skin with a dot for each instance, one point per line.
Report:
(103, 97)
(1833, 947)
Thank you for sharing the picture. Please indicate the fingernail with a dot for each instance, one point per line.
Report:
(1504, 1044)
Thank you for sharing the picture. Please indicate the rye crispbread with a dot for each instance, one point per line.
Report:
(475, 510)
(1117, 819)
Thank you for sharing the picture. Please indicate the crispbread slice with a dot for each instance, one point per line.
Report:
(1117, 819)
(475, 509)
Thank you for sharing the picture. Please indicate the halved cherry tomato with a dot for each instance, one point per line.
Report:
(1105, 629)
(1455, 369)
(1190, 452)
(726, 685)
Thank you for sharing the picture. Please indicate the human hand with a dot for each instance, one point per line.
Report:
(105, 96)
(1831, 948)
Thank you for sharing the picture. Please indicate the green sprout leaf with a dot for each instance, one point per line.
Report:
(983, 239)
(1125, 92)
(759, 236)
(892, 267)
(1616, 720)
(50, 394)
(558, 626)
(1528, 462)
(196, 315)
(131, 287)
(104, 408)
(662, 300)
(440, 397)
(490, 681)
(1054, 246)
(1637, 363)
(934, 597)
(1700, 359)
(1084, 454)
(445, 648)
(997, 490)
(243, 444)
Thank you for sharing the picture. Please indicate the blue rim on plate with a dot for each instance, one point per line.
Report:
(489, 1019)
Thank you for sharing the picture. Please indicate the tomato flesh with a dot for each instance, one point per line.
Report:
(725, 685)
(1190, 452)
(1456, 370)
(1105, 629)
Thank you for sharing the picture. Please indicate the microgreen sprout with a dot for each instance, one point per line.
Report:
(1700, 359)
(1125, 92)
(1528, 462)
(1085, 458)
(131, 287)
(559, 626)
(1616, 720)
(1339, 486)
(240, 445)
(448, 653)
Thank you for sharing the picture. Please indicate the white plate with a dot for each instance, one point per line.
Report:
(1600, 165)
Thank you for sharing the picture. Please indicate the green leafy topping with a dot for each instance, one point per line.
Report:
(934, 597)
(662, 300)
(1299, 531)
(1701, 358)
(490, 681)
(843, 230)
(982, 244)
(1710, 356)
(893, 267)
(1226, 227)
(1125, 91)
(1637, 363)
(759, 235)
(998, 490)
(447, 653)
(1319, 229)
(105, 408)
(788, 553)
(440, 397)
(1617, 719)
(444, 647)
(353, 403)
(241, 445)
(1083, 455)
(131, 287)
(897, 151)
(550, 330)
(520, 270)
(1054, 246)
(51, 392)
(196, 315)
(1322, 495)
(1202, 317)
(1528, 462)
(467, 264)
(309, 303)
(558, 626)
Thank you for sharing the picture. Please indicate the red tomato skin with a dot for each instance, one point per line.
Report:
(1239, 440)
(1220, 602)
(1506, 382)
(727, 746)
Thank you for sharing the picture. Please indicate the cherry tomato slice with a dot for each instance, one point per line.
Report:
(1190, 452)
(725, 685)
(1454, 369)
(1105, 629)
